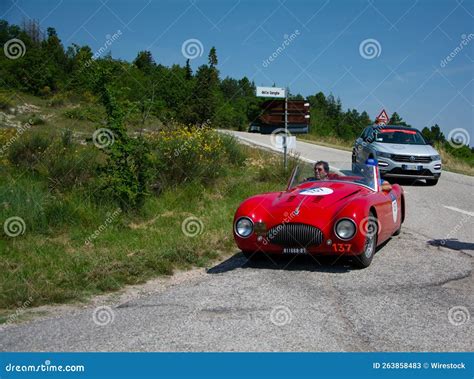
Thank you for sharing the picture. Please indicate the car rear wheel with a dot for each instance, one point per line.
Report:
(365, 259)
(431, 182)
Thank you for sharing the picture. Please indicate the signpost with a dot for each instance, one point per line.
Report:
(278, 93)
(382, 118)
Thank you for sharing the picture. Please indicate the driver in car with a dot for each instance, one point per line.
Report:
(321, 172)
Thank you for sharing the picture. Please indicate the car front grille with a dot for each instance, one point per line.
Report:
(414, 173)
(295, 235)
(411, 159)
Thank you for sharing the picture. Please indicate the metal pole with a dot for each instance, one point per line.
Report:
(286, 129)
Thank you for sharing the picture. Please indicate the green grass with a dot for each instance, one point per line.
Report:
(51, 263)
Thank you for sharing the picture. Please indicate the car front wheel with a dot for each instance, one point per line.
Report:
(365, 259)
(431, 182)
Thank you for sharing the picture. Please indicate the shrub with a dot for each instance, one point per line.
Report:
(67, 167)
(83, 114)
(5, 102)
(57, 100)
(182, 154)
(235, 153)
(27, 150)
(36, 120)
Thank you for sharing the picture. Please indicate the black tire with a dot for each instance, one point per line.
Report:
(365, 259)
(432, 182)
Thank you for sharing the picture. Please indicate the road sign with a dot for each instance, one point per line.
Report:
(273, 112)
(279, 106)
(382, 118)
(279, 118)
(271, 92)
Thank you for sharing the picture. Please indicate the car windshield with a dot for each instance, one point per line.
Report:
(400, 136)
(367, 175)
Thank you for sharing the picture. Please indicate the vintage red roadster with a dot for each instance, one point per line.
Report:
(345, 215)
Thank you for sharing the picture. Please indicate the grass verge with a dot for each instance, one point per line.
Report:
(73, 248)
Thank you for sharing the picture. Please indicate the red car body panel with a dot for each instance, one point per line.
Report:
(347, 200)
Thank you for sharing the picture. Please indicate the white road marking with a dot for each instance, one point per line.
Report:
(459, 210)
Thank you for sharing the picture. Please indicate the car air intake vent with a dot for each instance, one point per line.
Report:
(295, 235)
(411, 159)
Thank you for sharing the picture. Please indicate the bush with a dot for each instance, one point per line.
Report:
(235, 153)
(67, 167)
(27, 150)
(57, 100)
(5, 102)
(181, 154)
(83, 114)
(36, 120)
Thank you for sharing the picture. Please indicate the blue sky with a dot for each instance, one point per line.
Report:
(405, 72)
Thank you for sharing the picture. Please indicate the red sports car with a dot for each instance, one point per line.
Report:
(345, 215)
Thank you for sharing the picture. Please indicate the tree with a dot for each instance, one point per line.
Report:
(144, 61)
(397, 120)
(212, 57)
(434, 134)
(189, 71)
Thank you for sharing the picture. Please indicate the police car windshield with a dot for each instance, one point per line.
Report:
(400, 136)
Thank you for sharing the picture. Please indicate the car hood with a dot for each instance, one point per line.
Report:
(323, 198)
(395, 148)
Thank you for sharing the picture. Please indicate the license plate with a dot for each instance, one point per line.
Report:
(295, 250)
(412, 167)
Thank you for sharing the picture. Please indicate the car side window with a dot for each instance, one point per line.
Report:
(366, 133)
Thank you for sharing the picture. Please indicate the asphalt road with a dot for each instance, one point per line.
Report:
(416, 296)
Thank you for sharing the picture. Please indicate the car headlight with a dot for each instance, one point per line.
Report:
(435, 158)
(381, 154)
(345, 229)
(244, 227)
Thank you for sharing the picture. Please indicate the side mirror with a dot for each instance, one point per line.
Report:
(431, 143)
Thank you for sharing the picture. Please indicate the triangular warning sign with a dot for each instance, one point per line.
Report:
(382, 118)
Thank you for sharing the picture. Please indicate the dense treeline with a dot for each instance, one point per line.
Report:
(177, 93)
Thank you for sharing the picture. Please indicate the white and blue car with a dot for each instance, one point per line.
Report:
(401, 152)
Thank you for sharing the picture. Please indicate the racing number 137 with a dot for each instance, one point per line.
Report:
(341, 247)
